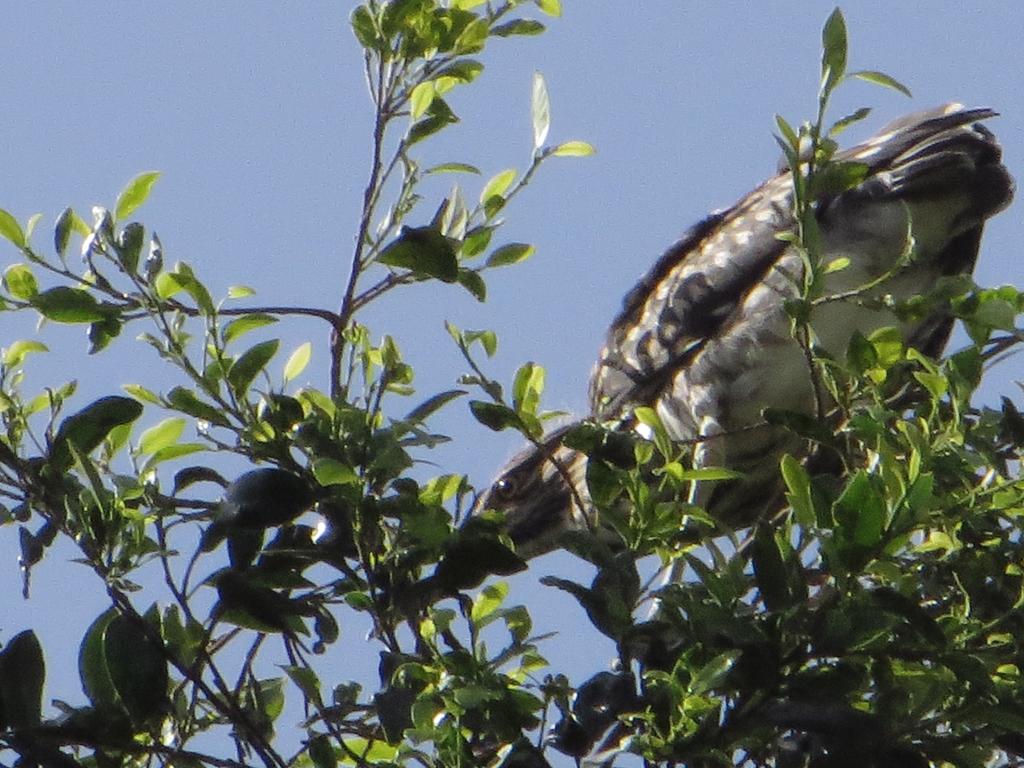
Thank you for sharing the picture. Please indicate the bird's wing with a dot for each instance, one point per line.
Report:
(699, 287)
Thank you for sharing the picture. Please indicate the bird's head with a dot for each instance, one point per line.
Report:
(541, 492)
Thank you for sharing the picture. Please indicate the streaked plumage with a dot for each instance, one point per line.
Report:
(703, 337)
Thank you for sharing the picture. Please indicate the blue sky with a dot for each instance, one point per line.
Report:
(257, 116)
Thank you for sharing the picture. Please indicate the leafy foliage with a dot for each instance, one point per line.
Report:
(875, 621)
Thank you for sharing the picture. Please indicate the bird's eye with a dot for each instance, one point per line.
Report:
(505, 488)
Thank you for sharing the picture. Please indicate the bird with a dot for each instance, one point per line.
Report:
(704, 338)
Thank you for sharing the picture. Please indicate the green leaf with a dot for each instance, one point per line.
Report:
(172, 452)
(487, 603)
(92, 664)
(453, 168)
(321, 752)
(528, 387)
(245, 323)
(20, 282)
(463, 70)
(428, 126)
(838, 177)
(471, 280)
(431, 405)
(860, 511)
(186, 401)
(573, 149)
(798, 485)
(22, 674)
(882, 79)
(134, 194)
(550, 7)
(240, 291)
(788, 134)
(297, 361)
(518, 27)
(476, 241)
(498, 185)
(68, 305)
(843, 123)
(166, 433)
(425, 251)
(87, 428)
(421, 99)
(676, 470)
(14, 355)
(487, 339)
(139, 392)
(512, 253)
(714, 673)
(494, 416)
(11, 229)
(833, 51)
(473, 37)
(182, 277)
(770, 570)
(137, 668)
(365, 29)
(250, 363)
(62, 230)
(330, 472)
(540, 110)
(129, 246)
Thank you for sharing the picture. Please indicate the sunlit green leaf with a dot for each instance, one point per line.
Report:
(421, 99)
(540, 110)
(512, 253)
(550, 7)
(245, 323)
(20, 282)
(330, 472)
(14, 355)
(498, 185)
(573, 149)
(161, 435)
(134, 194)
(297, 361)
(240, 292)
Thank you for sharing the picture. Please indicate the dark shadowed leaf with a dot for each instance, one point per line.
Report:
(495, 416)
(136, 666)
(88, 428)
(22, 673)
(518, 27)
(471, 280)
